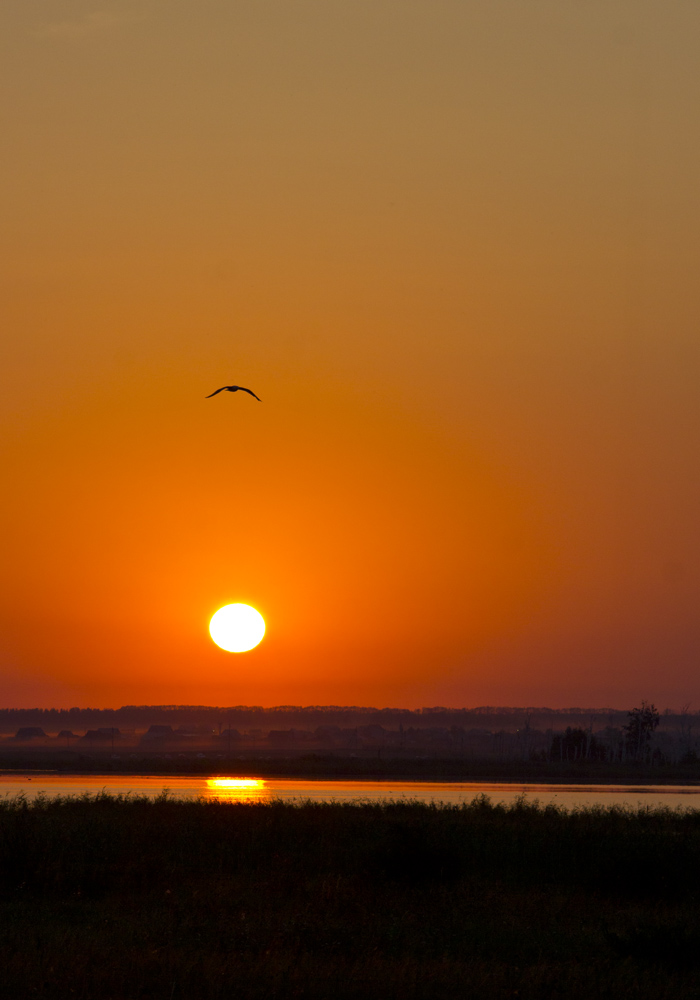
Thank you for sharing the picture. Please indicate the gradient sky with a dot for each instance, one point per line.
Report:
(453, 246)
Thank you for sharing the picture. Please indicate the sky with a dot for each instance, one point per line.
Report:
(453, 247)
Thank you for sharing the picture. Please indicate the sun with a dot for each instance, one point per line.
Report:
(237, 627)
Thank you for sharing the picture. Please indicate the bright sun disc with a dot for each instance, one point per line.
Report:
(237, 627)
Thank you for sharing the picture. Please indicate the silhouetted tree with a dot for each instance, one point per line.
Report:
(576, 744)
(638, 731)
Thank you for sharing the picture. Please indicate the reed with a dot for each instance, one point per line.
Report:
(121, 897)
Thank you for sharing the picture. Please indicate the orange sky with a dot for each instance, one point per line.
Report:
(453, 246)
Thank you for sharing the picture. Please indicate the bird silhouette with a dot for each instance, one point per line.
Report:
(233, 388)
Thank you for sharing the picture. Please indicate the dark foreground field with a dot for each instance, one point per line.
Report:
(109, 898)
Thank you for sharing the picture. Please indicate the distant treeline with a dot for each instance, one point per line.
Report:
(310, 716)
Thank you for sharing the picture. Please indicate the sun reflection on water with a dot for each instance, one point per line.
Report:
(237, 789)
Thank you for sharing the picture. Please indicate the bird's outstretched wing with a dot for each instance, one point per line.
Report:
(250, 391)
(217, 391)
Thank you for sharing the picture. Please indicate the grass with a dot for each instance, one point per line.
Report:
(125, 898)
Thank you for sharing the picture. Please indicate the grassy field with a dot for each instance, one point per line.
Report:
(123, 898)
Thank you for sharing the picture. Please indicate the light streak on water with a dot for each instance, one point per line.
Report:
(252, 789)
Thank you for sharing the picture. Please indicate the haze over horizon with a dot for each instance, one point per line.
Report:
(453, 247)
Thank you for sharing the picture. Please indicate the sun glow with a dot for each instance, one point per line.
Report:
(237, 789)
(237, 627)
(235, 783)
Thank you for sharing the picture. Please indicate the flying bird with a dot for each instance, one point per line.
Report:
(233, 388)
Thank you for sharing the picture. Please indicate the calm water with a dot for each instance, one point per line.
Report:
(251, 789)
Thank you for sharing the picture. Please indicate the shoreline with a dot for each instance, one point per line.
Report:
(330, 767)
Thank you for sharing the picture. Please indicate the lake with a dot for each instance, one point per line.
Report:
(248, 788)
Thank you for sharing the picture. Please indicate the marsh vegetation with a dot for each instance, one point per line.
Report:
(125, 898)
